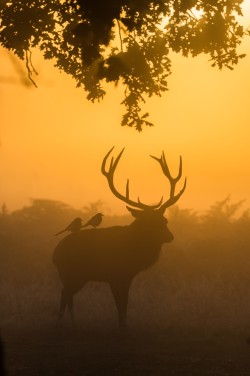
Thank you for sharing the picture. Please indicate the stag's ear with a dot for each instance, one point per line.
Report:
(135, 213)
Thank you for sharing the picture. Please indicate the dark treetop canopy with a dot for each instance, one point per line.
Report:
(122, 40)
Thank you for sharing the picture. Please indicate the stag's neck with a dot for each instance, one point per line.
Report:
(146, 245)
(147, 235)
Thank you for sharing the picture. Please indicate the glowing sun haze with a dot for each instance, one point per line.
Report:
(53, 140)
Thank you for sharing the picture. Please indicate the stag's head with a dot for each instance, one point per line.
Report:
(147, 217)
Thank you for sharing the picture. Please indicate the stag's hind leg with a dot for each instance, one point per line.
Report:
(120, 291)
(66, 301)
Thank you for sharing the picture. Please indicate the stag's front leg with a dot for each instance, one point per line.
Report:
(120, 291)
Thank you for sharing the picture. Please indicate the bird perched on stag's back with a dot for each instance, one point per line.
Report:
(74, 226)
(95, 221)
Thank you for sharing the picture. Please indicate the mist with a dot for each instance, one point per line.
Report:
(199, 286)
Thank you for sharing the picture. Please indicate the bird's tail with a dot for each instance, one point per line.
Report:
(58, 233)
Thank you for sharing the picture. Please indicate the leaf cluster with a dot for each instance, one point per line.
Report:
(122, 41)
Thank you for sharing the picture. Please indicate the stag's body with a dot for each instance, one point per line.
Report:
(115, 254)
(104, 254)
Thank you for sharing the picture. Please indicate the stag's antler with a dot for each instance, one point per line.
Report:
(173, 181)
(110, 177)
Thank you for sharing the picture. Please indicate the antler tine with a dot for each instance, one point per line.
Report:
(111, 164)
(165, 167)
(109, 174)
(167, 171)
(172, 180)
(180, 170)
(127, 189)
(117, 160)
(157, 159)
(104, 172)
(173, 199)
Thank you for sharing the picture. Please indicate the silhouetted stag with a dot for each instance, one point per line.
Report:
(116, 254)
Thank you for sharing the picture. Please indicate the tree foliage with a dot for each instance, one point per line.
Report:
(122, 41)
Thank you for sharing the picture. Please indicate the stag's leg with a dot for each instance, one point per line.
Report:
(120, 291)
(63, 302)
(67, 297)
(71, 308)
(66, 301)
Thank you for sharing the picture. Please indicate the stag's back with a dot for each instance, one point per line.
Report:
(103, 254)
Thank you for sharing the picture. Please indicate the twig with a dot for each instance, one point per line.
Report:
(120, 35)
(32, 66)
(28, 69)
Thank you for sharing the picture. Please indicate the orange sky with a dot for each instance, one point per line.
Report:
(53, 140)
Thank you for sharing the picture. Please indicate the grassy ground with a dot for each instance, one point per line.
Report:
(67, 352)
(197, 329)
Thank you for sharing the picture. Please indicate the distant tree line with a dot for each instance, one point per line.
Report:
(217, 241)
(201, 278)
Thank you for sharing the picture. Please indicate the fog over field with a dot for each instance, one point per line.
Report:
(199, 287)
